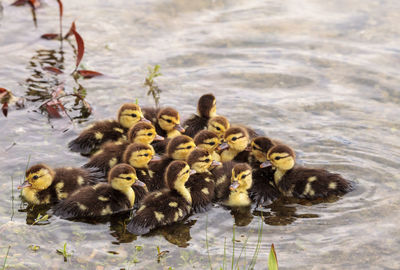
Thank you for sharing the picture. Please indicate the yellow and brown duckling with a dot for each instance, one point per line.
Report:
(301, 182)
(263, 189)
(219, 125)
(102, 199)
(234, 190)
(160, 208)
(111, 153)
(201, 184)
(206, 108)
(167, 123)
(209, 141)
(109, 130)
(235, 146)
(44, 185)
(178, 149)
(138, 155)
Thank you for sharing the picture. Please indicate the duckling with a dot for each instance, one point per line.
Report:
(222, 177)
(209, 141)
(177, 149)
(165, 207)
(111, 153)
(234, 192)
(235, 145)
(263, 189)
(218, 124)
(201, 184)
(300, 182)
(206, 108)
(44, 185)
(167, 123)
(112, 130)
(138, 155)
(102, 199)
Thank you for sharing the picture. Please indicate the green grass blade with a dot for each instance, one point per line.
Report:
(233, 247)
(5, 259)
(272, 260)
(208, 250)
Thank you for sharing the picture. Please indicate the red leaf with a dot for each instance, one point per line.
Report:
(53, 69)
(81, 47)
(50, 36)
(19, 2)
(2, 90)
(87, 74)
(52, 111)
(70, 31)
(5, 109)
(60, 5)
(34, 3)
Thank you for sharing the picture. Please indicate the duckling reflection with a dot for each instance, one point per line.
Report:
(242, 215)
(35, 211)
(178, 233)
(118, 229)
(282, 212)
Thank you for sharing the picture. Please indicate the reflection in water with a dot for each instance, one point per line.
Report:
(47, 81)
(242, 215)
(33, 212)
(118, 229)
(283, 214)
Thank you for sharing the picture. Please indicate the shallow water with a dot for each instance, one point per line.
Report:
(322, 77)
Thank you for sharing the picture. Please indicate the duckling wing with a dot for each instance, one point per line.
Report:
(156, 171)
(202, 190)
(222, 175)
(68, 180)
(194, 124)
(263, 189)
(157, 209)
(90, 139)
(314, 183)
(108, 156)
(92, 201)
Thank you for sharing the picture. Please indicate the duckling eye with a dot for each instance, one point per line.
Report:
(128, 178)
(35, 177)
(187, 171)
(211, 143)
(189, 147)
(169, 120)
(207, 160)
(218, 128)
(277, 158)
(146, 155)
(149, 134)
(234, 139)
(133, 115)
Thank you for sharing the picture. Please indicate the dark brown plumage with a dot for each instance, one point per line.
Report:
(222, 175)
(100, 132)
(102, 199)
(201, 184)
(176, 150)
(45, 185)
(300, 182)
(164, 207)
(205, 110)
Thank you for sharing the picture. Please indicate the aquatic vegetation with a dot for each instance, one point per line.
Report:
(5, 258)
(272, 259)
(64, 252)
(154, 90)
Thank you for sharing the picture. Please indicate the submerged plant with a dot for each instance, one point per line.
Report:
(154, 90)
(5, 258)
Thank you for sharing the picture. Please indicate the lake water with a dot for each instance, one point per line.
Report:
(322, 76)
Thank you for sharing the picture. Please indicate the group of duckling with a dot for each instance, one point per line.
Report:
(167, 171)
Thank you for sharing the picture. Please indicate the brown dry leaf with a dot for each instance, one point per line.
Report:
(50, 36)
(87, 74)
(53, 69)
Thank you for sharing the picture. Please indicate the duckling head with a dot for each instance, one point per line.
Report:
(281, 157)
(138, 155)
(169, 119)
(200, 160)
(180, 147)
(129, 114)
(38, 177)
(123, 176)
(260, 147)
(219, 125)
(176, 175)
(143, 132)
(206, 107)
(207, 140)
(236, 138)
(241, 179)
